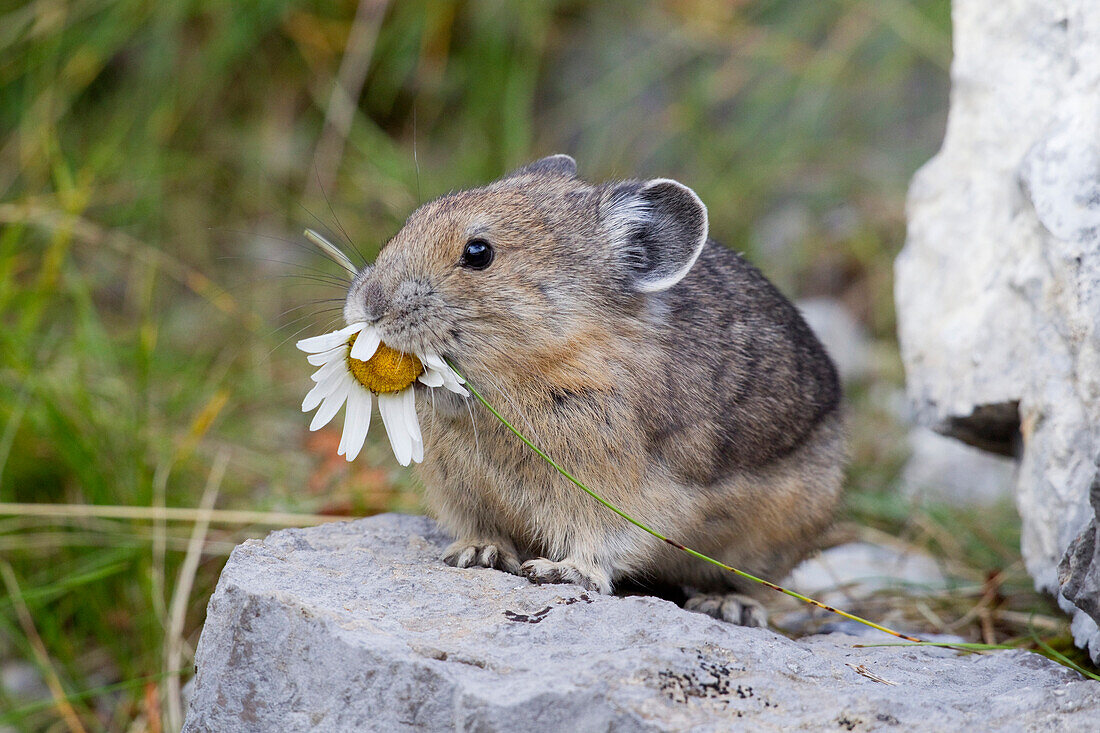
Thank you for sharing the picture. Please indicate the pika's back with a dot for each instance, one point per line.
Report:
(745, 379)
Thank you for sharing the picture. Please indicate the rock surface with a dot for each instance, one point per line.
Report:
(998, 287)
(944, 470)
(1079, 571)
(856, 570)
(359, 626)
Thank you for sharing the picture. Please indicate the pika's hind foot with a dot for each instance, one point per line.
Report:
(542, 571)
(482, 554)
(732, 607)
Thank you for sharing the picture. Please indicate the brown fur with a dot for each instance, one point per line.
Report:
(706, 409)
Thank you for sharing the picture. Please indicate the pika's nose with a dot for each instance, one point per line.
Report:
(375, 301)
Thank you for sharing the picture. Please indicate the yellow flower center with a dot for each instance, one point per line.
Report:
(389, 370)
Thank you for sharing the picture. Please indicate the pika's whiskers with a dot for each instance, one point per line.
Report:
(328, 326)
(337, 220)
(308, 303)
(494, 383)
(473, 424)
(315, 271)
(311, 314)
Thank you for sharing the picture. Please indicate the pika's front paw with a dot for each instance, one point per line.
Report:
(482, 554)
(732, 607)
(542, 571)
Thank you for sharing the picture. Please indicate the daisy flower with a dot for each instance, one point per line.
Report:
(354, 364)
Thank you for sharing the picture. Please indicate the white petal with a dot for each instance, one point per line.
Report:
(451, 379)
(366, 343)
(322, 390)
(393, 417)
(452, 374)
(356, 422)
(327, 341)
(329, 369)
(332, 402)
(413, 424)
(431, 378)
(355, 442)
(408, 400)
(349, 418)
(324, 357)
(435, 361)
(452, 384)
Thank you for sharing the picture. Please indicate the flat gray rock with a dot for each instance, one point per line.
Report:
(359, 626)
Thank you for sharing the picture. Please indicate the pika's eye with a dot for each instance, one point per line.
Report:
(477, 255)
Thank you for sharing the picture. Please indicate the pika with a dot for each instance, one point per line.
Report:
(659, 367)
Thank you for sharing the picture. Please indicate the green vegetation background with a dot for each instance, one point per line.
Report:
(158, 162)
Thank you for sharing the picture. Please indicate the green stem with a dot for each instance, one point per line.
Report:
(674, 543)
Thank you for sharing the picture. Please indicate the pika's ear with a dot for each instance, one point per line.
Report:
(553, 165)
(660, 227)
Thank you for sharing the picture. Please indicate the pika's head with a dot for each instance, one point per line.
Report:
(518, 272)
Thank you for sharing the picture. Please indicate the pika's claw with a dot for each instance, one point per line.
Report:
(482, 554)
(732, 607)
(542, 571)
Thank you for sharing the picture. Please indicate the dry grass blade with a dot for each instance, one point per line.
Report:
(864, 672)
(93, 234)
(177, 614)
(48, 541)
(198, 428)
(171, 514)
(1047, 623)
(346, 90)
(40, 653)
(160, 540)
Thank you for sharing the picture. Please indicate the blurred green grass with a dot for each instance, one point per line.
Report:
(159, 160)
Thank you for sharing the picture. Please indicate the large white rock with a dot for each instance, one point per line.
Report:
(945, 470)
(998, 287)
(360, 626)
